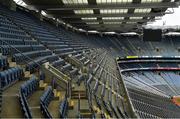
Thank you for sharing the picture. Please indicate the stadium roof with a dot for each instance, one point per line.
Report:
(105, 15)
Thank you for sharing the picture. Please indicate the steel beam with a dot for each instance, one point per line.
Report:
(109, 15)
(115, 20)
(109, 6)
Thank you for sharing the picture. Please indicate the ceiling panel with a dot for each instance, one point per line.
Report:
(122, 15)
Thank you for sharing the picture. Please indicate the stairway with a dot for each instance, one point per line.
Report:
(34, 103)
(80, 106)
(11, 107)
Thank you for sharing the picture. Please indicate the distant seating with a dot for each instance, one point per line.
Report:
(21, 57)
(33, 65)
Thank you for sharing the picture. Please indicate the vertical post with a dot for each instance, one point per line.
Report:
(40, 15)
(68, 90)
(79, 105)
(57, 24)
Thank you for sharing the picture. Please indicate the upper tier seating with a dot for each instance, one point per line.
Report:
(7, 50)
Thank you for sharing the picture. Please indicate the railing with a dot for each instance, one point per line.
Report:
(62, 79)
(74, 61)
(126, 95)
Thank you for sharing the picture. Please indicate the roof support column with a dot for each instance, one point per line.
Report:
(40, 16)
(57, 23)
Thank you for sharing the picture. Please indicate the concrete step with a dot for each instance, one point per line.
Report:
(76, 94)
(85, 113)
(42, 84)
(77, 97)
(11, 64)
(71, 105)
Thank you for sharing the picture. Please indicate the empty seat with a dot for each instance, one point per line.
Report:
(35, 65)
(30, 86)
(63, 108)
(47, 96)
(67, 67)
(24, 106)
(45, 99)
(3, 62)
(11, 75)
(58, 63)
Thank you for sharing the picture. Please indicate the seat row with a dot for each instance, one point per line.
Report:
(35, 65)
(7, 50)
(10, 75)
(63, 108)
(24, 105)
(22, 57)
(16, 41)
(30, 86)
(45, 99)
(3, 62)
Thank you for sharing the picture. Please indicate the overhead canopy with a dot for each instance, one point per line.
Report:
(105, 15)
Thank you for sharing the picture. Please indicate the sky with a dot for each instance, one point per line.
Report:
(169, 19)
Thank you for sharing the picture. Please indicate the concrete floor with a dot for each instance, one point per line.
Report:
(11, 107)
(54, 108)
(34, 104)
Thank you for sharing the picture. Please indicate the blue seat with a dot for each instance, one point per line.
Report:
(3, 62)
(63, 108)
(24, 105)
(29, 86)
(58, 62)
(3, 78)
(47, 96)
(45, 99)
(67, 67)
(10, 75)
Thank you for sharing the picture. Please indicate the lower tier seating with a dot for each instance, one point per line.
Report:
(3, 62)
(11, 75)
(26, 90)
(45, 100)
(63, 108)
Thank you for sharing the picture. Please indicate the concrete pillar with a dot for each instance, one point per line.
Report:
(73, 30)
(9, 3)
(40, 16)
(101, 34)
(66, 27)
(57, 24)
